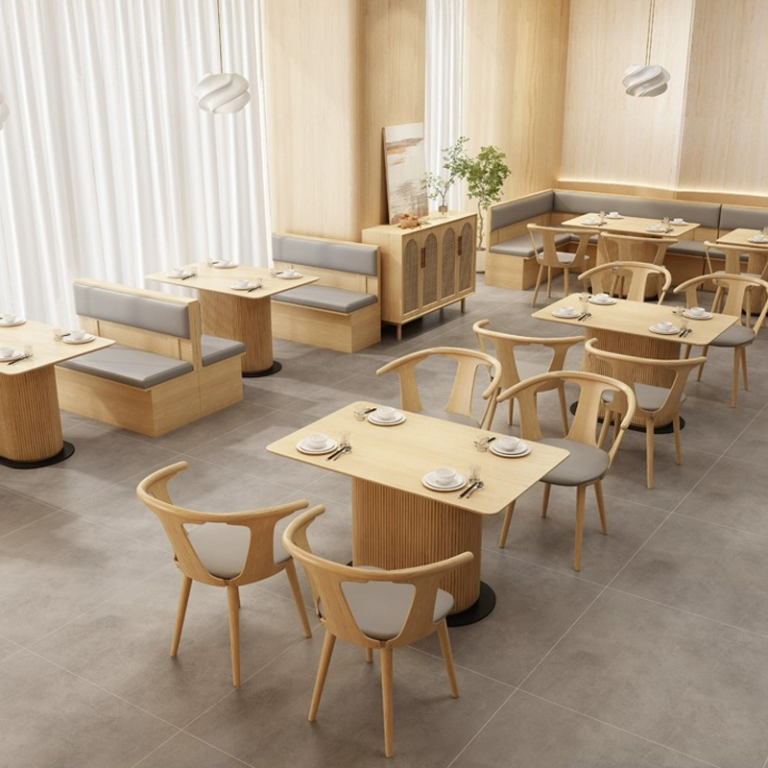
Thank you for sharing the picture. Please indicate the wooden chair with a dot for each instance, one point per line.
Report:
(649, 250)
(653, 403)
(459, 406)
(376, 609)
(504, 345)
(757, 265)
(550, 257)
(588, 462)
(224, 550)
(730, 296)
(633, 276)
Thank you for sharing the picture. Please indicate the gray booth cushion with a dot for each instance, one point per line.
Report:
(649, 398)
(734, 336)
(520, 210)
(138, 311)
(215, 349)
(223, 548)
(739, 217)
(325, 297)
(129, 366)
(360, 259)
(522, 245)
(693, 248)
(585, 464)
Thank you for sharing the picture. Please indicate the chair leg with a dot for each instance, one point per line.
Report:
(181, 612)
(704, 352)
(565, 281)
(735, 386)
(293, 580)
(538, 285)
(607, 416)
(545, 499)
(678, 446)
(581, 493)
(601, 506)
(233, 600)
(386, 696)
(505, 527)
(511, 414)
(744, 367)
(322, 671)
(369, 655)
(649, 452)
(563, 408)
(549, 282)
(445, 647)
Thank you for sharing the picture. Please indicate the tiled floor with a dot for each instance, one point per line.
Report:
(655, 654)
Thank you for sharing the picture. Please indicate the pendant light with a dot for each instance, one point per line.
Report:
(646, 79)
(4, 111)
(225, 92)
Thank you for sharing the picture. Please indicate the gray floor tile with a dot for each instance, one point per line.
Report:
(52, 718)
(185, 751)
(16, 511)
(7, 648)
(682, 681)
(752, 445)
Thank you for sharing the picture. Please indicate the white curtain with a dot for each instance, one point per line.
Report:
(444, 84)
(108, 168)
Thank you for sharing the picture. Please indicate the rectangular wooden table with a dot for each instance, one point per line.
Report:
(240, 315)
(742, 237)
(631, 225)
(397, 522)
(30, 428)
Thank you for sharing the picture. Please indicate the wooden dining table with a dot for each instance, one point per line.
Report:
(30, 427)
(245, 316)
(631, 225)
(397, 522)
(757, 252)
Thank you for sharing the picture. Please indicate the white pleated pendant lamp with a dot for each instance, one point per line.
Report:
(225, 92)
(646, 79)
(4, 111)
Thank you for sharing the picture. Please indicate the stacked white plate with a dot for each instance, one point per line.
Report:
(603, 302)
(244, 287)
(11, 323)
(225, 264)
(83, 340)
(329, 445)
(431, 482)
(690, 316)
(664, 331)
(286, 276)
(15, 355)
(180, 275)
(617, 216)
(590, 222)
(759, 239)
(398, 418)
(655, 228)
(565, 315)
(522, 449)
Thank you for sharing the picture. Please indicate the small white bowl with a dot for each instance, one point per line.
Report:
(8, 318)
(242, 283)
(665, 325)
(613, 214)
(386, 413)
(7, 352)
(697, 311)
(678, 221)
(509, 444)
(176, 272)
(77, 334)
(444, 476)
(602, 298)
(316, 440)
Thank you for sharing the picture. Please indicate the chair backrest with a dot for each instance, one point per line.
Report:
(731, 290)
(584, 425)
(733, 257)
(504, 345)
(327, 581)
(635, 275)
(549, 245)
(460, 400)
(259, 563)
(649, 250)
(135, 317)
(630, 370)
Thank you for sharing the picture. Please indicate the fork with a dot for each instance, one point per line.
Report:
(345, 449)
(478, 486)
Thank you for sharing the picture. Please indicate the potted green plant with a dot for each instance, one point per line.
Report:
(437, 185)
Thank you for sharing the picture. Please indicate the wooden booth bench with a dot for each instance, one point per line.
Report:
(161, 374)
(342, 311)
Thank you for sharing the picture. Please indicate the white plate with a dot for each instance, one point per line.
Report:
(608, 303)
(517, 454)
(17, 353)
(687, 314)
(330, 445)
(563, 316)
(678, 223)
(655, 329)
(389, 423)
(243, 287)
(759, 240)
(590, 222)
(460, 482)
(220, 265)
(185, 273)
(17, 321)
(69, 340)
(608, 216)
(283, 276)
(655, 229)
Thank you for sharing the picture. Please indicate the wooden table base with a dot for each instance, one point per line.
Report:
(393, 529)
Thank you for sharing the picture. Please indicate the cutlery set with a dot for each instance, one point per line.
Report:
(19, 359)
(685, 332)
(339, 452)
(467, 492)
(583, 316)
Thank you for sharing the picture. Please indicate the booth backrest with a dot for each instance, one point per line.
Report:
(326, 254)
(741, 217)
(505, 214)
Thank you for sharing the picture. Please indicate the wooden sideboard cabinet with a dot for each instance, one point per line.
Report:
(424, 269)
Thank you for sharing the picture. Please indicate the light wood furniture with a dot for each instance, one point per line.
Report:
(742, 236)
(653, 403)
(459, 405)
(244, 316)
(504, 346)
(30, 429)
(221, 549)
(366, 607)
(632, 276)
(397, 522)
(732, 262)
(135, 318)
(587, 463)
(731, 295)
(551, 257)
(632, 225)
(424, 269)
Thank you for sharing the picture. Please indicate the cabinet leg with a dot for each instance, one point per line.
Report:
(399, 332)
(463, 306)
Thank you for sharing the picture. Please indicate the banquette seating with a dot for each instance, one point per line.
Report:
(342, 311)
(161, 374)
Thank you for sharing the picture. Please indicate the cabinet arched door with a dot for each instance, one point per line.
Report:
(466, 258)
(448, 266)
(411, 269)
(429, 272)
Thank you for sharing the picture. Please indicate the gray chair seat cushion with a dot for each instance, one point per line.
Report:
(215, 349)
(585, 464)
(649, 398)
(325, 297)
(562, 256)
(522, 245)
(456, 418)
(129, 366)
(223, 548)
(734, 336)
(380, 608)
(693, 248)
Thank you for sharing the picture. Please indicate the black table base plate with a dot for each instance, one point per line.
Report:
(274, 368)
(667, 429)
(477, 611)
(62, 455)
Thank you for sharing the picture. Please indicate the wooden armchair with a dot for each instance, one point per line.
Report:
(631, 277)
(223, 550)
(757, 265)
(504, 345)
(459, 405)
(550, 257)
(653, 403)
(588, 462)
(649, 250)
